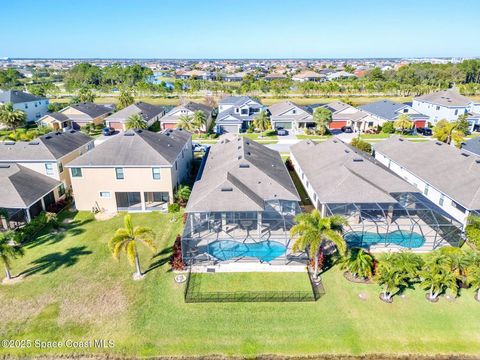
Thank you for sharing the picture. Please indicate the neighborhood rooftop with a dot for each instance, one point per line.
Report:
(20, 187)
(91, 109)
(450, 170)
(387, 109)
(136, 148)
(240, 175)
(51, 146)
(147, 111)
(15, 97)
(446, 98)
(339, 174)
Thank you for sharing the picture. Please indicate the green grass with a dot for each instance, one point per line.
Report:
(76, 290)
(260, 137)
(209, 282)
(313, 137)
(305, 199)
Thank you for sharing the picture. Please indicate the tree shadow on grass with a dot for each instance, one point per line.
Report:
(65, 230)
(160, 258)
(54, 261)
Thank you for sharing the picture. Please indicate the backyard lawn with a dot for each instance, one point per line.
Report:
(74, 289)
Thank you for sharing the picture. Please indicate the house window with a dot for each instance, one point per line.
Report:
(156, 173)
(425, 192)
(76, 172)
(119, 174)
(175, 165)
(456, 111)
(441, 200)
(60, 167)
(294, 111)
(49, 168)
(26, 106)
(405, 110)
(61, 190)
(438, 108)
(104, 194)
(244, 112)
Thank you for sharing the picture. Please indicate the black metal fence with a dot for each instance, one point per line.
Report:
(194, 294)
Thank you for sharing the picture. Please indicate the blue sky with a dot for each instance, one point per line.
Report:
(239, 29)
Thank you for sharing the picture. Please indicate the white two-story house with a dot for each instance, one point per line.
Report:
(34, 106)
(235, 113)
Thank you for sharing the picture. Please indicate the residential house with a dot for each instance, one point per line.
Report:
(195, 75)
(339, 75)
(387, 110)
(172, 118)
(235, 113)
(24, 193)
(447, 104)
(149, 113)
(239, 76)
(34, 106)
(384, 212)
(76, 116)
(275, 76)
(347, 115)
(308, 75)
(447, 176)
(241, 207)
(48, 154)
(290, 116)
(137, 170)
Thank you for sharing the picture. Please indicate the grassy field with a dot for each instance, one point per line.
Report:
(74, 289)
(260, 137)
(252, 282)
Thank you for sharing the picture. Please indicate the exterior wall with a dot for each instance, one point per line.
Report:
(305, 182)
(438, 112)
(432, 194)
(86, 189)
(34, 109)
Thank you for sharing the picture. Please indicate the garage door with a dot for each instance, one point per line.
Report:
(229, 129)
(337, 124)
(420, 123)
(286, 125)
(169, 125)
(115, 125)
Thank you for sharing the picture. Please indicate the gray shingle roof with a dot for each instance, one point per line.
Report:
(20, 187)
(388, 110)
(136, 148)
(192, 106)
(444, 167)
(340, 174)
(278, 110)
(51, 146)
(91, 109)
(445, 98)
(472, 145)
(147, 111)
(235, 100)
(16, 97)
(240, 175)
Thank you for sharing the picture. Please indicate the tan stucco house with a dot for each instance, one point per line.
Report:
(76, 116)
(48, 154)
(137, 170)
(149, 113)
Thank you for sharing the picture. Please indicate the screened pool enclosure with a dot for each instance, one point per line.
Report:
(213, 237)
(411, 223)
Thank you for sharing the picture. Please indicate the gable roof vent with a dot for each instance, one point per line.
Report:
(34, 143)
(465, 154)
(438, 143)
(347, 151)
(357, 160)
(226, 189)
(9, 143)
(239, 157)
(72, 131)
(244, 166)
(129, 134)
(48, 137)
(400, 139)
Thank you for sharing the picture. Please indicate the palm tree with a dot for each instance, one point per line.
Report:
(437, 279)
(314, 231)
(135, 121)
(12, 118)
(403, 122)
(322, 118)
(359, 263)
(199, 120)
(126, 240)
(448, 131)
(125, 99)
(262, 121)
(186, 123)
(389, 277)
(473, 278)
(9, 250)
(183, 194)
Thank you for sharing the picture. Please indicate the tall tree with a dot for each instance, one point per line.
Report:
(262, 121)
(12, 118)
(186, 123)
(9, 250)
(126, 240)
(136, 121)
(322, 118)
(312, 231)
(447, 132)
(125, 99)
(358, 262)
(86, 95)
(199, 121)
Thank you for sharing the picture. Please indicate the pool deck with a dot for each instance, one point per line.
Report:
(249, 267)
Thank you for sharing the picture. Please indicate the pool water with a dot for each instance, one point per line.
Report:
(264, 251)
(405, 239)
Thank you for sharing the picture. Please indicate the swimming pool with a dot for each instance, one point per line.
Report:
(228, 249)
(405, 239)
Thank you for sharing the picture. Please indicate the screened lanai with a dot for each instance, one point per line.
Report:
(213, 237)
(412, 222)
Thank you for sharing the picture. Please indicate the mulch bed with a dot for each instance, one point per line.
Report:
(347, 275)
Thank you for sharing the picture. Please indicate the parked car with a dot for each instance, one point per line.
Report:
(282, 132)
(108, 131)
(347, 129)
(199, 147)
(425, 131)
